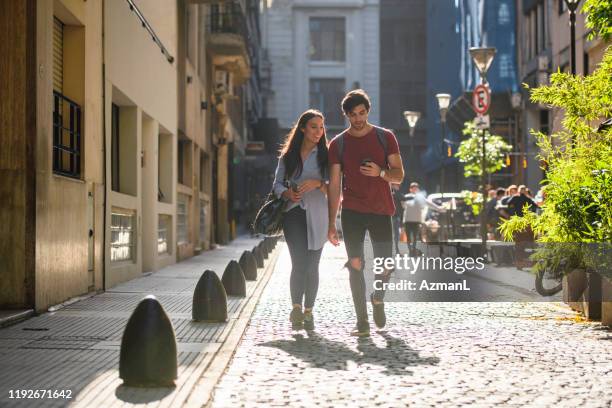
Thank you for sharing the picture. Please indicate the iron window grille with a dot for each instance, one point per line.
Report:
(67, 125)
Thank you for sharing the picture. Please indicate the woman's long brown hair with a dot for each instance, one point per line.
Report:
(290, 150)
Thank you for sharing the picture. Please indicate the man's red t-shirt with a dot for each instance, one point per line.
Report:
(361, 193)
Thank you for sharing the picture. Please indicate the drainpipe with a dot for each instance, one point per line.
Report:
(104, 141)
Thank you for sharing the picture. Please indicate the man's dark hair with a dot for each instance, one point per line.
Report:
(500, 192)
(355, 98)
(414, 184)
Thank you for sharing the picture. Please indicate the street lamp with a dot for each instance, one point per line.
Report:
(443, 102)
(483, 58)
(412, 118)
(572, 5)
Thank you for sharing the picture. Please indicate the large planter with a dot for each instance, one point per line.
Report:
(582, 292)
(606, 304)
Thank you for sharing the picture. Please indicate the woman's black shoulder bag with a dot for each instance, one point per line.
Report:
(269, 218)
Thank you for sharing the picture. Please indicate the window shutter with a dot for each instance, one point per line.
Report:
(58, 55)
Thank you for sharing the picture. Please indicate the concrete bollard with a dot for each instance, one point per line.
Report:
(209, 299)
(268, 244)
(248, 263)
(264, 249)
(258, 256)
(233, 280)
(148, 356)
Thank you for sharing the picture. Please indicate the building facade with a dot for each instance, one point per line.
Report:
(52, 183)
(122, 119)
(403, 78)
(543, 48)
(318, 50)
(490, 23)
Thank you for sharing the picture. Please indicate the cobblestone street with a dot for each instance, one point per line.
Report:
(430, 354)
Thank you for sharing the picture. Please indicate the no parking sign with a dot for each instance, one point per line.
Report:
(481, 99)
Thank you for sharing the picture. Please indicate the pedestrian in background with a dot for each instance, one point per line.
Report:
(414, 216)
(300, 178)
(397, 217)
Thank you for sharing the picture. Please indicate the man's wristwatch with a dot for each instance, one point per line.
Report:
(382, 174)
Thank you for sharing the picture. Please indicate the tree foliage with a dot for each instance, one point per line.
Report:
(470, 151)
(578, 183)
(598, 18)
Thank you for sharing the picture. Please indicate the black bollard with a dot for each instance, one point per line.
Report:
(233, 280)
(148, 355)
(269, 244)
(249, 265)
(263, 249)
(209, 299)
(258, 256)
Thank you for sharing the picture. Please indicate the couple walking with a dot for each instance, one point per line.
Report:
(359, 164)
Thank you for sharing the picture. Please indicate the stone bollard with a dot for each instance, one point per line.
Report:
(248, 263)
(268, 244)
(258, 256)
(233, 280)
(209, 299)
(148, 356)
(264, 249)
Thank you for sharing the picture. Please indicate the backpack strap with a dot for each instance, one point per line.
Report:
(380, 135)
(382, 139)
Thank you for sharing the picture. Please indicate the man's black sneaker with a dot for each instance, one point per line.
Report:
(361, 330)
(308, 321)
(297, 318)
(378, 310)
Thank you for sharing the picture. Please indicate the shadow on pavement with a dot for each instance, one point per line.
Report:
(331, 355)
(136, 395)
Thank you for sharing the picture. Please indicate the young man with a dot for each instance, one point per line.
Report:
(363, 161)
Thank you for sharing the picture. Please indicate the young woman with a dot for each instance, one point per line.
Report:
(301, 178)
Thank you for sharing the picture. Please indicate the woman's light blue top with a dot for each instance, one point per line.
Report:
(314, 202)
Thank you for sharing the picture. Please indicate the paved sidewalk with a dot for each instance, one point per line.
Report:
(77, 347)
(431, 354)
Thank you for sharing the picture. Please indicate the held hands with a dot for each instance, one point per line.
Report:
(370, 169)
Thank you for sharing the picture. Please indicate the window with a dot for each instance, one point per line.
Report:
(204, 172)
(536, 30)
(67, 115)
(181, 162)
(164, 168)
(325, 95)
(544, 124)
(163, 234)
(327, 39)
(203, 221)
(184, 162)
(505, 66)
(503, 14)
(123, 241)
(182, 219)
(115, 147)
